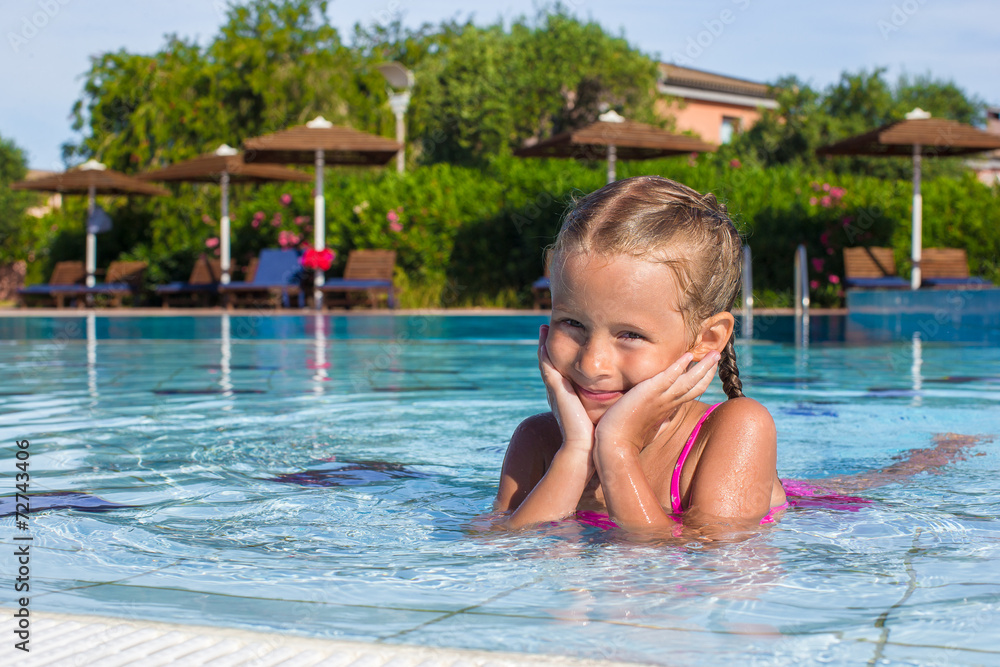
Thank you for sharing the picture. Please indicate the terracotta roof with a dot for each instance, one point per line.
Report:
(341, 145)
(632, 141)
(208, 169)
(939, 136)
(104, 181)
(675, 75)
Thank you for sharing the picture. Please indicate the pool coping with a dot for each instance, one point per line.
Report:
(59, 638)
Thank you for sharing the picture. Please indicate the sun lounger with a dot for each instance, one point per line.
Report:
(367, 271)
(871, 268)
(948, 267)
(123, 278)
(201, 285)
(275, 280)
(540, 289)
(66, 276)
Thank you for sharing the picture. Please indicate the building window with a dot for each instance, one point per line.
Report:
(730, 126)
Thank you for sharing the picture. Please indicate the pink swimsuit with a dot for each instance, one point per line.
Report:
(809, 494)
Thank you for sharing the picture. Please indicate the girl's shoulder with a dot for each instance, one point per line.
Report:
(532, 447)
(538, 433)
(739, 425)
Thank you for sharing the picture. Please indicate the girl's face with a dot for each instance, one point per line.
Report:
(615, 322)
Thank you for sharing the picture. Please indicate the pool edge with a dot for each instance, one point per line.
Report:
(56, 638)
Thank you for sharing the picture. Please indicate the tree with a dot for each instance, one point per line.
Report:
(15, 235)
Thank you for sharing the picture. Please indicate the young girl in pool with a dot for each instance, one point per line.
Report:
(644, 272)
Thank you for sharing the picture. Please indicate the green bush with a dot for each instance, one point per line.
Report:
(476, 237)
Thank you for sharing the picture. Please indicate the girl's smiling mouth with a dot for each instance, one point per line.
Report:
(597, 396)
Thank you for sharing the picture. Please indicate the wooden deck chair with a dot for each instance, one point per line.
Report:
(871, 268)
(948, 267)
(201, 285)
(123, 278)
(368, 272)
(65, 276)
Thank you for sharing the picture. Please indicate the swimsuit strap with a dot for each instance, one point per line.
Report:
(675, 479)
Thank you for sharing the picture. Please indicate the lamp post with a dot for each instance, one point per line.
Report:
(401, 83)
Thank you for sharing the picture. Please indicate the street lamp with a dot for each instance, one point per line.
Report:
(401, 82)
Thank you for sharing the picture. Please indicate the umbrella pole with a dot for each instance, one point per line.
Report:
(918, 220)
(319, 231)
(612, 159)
(91, 237)
(225, 250)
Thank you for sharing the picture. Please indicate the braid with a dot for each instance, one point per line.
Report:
(729, 373)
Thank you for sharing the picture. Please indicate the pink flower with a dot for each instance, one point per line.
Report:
(824, 238)
(302, 219)
(286, 199)
(825, 201)
(207, 219)
(812, 201)
(276, 220)
(212, 242)
(320, 260)
(259, 215)
(826, 187)
(814, 185)
(255, 223)
(837, 193)
(392, 216)
(396, 226)
(813, 284)
(846, 221)
(817, 263)
(735, 164)
(834, 279)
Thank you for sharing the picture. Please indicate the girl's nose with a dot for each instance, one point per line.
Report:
(593, 359)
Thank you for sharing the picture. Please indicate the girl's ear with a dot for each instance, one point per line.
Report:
(715, 333)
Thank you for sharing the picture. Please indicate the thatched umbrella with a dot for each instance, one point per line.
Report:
(919, 135)
(320, 142)
(614, 138)
(93, 178)
(224, 166)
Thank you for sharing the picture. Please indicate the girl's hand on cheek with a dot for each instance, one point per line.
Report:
(636, 418)
(577, 429)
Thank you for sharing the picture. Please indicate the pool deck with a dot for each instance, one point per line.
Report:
(69, 639)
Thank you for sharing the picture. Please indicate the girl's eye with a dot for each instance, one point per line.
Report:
(572, 323)
(631, 335)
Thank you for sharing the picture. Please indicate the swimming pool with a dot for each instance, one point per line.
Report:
(319, 476)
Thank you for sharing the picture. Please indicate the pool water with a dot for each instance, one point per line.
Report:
(323, 476)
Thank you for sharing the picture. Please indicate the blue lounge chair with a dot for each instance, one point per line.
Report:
(66, 277)
(368, 271)
(201, 286)
(276, 279)
(948, 267)
(871, 268)
(123, 278)
(541, 288)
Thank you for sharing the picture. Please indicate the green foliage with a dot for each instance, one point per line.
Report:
(19, 233)
(807, 119)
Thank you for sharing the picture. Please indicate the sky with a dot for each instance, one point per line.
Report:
(46, 45)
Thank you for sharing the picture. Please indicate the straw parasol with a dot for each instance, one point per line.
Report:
(320, 142)
(93, 178)
(613, 137)
(225, 165)
(918, 135)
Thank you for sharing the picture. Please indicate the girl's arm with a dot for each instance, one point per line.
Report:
(631, 424)
(548, 487)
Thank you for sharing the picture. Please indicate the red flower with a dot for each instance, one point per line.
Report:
(317, 260)
(735, 164)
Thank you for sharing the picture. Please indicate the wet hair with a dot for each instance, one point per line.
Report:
(668, 223)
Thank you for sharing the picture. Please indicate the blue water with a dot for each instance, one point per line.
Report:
(322, 476)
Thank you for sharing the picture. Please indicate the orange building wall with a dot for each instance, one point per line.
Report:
(705, 118)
